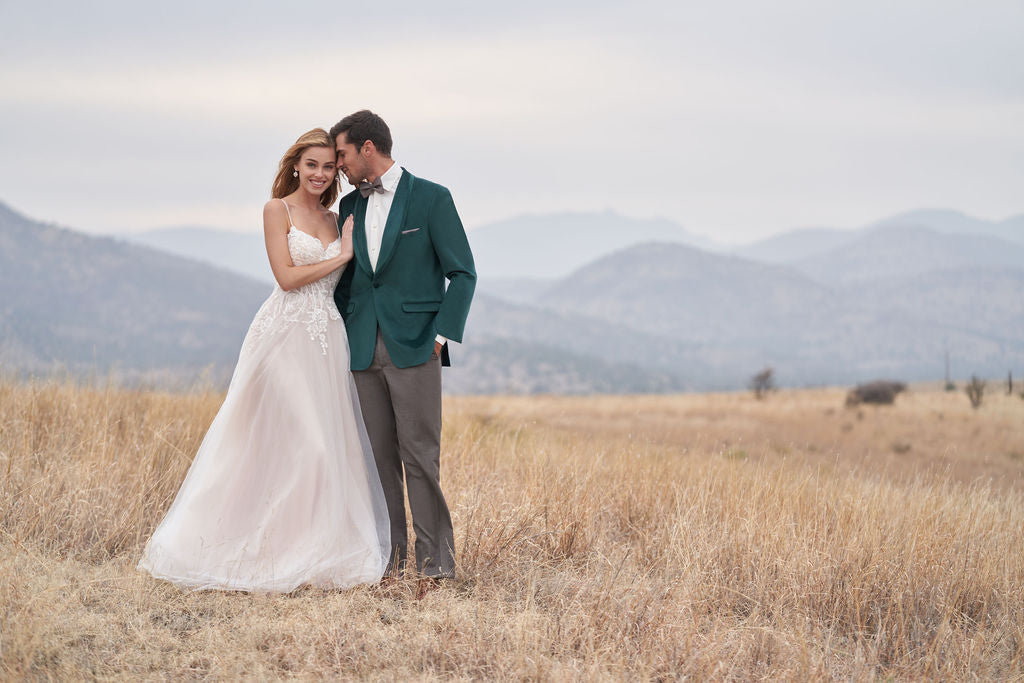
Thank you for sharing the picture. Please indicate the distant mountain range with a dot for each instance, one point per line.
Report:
(819, 306)
(240, 252)
(554, 245)
(521, 248)
(103, 306)
(735, 315)
(795, 245)
(946, 221)
(897, 251)
(85, 304)
(519, 257)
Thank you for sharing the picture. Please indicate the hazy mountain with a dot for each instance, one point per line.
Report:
(508, 253)
(611, 342)
(897, 251)
(675, 290)
(519, 257)
(802, 244)
(94, 303)
(240, 252)
(98, 305)
(647, 318)
(553, 245)
(514, 289)
(733, 316)
(949, 221)
(985, 301)
(795, 245)
(1011, 229)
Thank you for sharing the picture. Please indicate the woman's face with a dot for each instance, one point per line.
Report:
(317, 168)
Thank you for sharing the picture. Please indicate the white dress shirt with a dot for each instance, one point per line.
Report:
(378, 206)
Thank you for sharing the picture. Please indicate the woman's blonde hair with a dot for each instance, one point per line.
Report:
(285, 183)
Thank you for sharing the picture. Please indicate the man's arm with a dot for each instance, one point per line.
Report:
(452, 248)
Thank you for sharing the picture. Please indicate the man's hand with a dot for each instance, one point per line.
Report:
(437, 348)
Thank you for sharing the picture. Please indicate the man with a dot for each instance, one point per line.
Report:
(407, 239)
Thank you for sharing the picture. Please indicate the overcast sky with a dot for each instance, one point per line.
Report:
(736, 119)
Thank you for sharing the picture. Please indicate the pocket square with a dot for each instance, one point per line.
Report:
(406, 232)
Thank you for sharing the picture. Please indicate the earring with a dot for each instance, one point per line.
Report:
(295, 174)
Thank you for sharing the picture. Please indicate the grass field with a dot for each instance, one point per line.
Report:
(701, 536)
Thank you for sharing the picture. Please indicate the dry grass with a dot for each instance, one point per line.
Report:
(644, 537)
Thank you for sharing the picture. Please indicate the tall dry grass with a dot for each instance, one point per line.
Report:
(608, 537)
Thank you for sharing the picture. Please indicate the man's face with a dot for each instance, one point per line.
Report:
(350, 161)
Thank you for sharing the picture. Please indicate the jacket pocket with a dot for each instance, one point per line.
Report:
(421, 306)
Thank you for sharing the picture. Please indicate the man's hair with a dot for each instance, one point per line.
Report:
(362, 126)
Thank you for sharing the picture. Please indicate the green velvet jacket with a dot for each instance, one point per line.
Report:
(423, 244)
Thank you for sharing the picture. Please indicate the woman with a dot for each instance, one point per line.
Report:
(284, 490)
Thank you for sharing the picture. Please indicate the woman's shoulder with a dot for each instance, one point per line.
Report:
(275, 214)
(275, 205)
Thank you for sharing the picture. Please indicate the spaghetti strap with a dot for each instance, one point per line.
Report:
(288, 211)
(336, 226)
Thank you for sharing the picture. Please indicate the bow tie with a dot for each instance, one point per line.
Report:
(366, 189)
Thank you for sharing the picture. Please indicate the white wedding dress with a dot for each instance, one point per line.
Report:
(283, 490)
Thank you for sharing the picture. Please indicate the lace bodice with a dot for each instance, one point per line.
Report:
(311, 305)
(306, 250)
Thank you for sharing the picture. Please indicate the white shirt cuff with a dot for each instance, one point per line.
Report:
(441, 339)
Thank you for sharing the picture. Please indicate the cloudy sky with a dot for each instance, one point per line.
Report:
(736, 119)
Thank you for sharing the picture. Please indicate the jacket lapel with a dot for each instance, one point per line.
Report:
(359, 235)
(396, 219)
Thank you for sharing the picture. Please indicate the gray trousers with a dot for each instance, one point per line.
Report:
(402, 411)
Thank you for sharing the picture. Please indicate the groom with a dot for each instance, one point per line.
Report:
(408, 240)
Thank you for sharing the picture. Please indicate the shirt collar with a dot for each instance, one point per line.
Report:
(389, 179)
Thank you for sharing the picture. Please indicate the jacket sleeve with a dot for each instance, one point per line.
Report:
(452, 248)
(344, 286)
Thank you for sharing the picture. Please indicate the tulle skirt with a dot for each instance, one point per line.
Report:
(284, 490)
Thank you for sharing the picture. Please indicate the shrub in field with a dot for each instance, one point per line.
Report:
(880, 392)
(975, 391)
(762, 383)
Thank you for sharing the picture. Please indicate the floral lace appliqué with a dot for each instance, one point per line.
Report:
(311, 305)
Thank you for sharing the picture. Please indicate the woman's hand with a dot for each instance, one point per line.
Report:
(346, 239)
(288, 275)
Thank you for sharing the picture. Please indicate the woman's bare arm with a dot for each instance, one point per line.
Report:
(288, 275)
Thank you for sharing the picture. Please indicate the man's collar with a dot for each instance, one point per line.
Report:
(389, 178)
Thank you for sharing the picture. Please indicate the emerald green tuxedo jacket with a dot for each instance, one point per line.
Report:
(423, 244)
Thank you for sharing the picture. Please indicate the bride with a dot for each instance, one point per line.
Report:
(284, 490)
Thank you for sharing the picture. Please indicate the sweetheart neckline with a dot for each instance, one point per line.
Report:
(318, 240)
